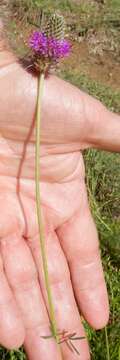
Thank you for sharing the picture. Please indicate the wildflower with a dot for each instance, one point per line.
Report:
(49, 50)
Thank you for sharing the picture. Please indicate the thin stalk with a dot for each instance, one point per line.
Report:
(11, 355)
(39, 213)
(107, 344)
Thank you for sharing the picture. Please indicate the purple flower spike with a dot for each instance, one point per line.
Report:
(38, 43)
(58, 49)
(49, 47)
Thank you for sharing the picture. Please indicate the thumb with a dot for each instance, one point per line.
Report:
(6, 56)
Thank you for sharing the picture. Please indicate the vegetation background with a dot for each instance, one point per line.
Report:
(94, 29)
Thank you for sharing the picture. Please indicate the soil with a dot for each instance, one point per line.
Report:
(104, 68)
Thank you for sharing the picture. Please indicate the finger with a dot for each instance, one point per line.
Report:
(103, 125)
(12, 332)
(67, 315)
(79, 240)
(22, 275)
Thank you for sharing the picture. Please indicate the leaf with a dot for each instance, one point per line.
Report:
(69, 346)
(77, 338)
(72, 335)
(74, 348)
(47, 337)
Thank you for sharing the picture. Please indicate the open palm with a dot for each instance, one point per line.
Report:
(71, 121)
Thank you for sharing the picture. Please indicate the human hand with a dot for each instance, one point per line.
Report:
(71, 121)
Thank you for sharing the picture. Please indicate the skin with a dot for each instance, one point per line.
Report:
(71, 121)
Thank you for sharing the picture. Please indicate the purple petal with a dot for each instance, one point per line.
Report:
(50, 48)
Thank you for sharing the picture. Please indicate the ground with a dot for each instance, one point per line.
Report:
(94, 29)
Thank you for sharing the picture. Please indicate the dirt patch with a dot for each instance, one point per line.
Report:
(104, 68)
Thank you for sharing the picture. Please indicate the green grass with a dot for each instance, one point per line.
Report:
(12, 355)
(102, 168)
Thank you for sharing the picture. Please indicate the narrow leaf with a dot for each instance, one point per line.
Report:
(72, 335)
(77, 338)
(74, 348)
(47, 337)
(69, 346)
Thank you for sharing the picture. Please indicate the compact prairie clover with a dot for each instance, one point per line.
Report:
(48, 47)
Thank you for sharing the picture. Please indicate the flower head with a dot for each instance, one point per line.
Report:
(38, 43)
(49, 45)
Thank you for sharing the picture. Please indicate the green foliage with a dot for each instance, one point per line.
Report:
(88, 12)
(12, 355)
(42, 4)
(97, 338)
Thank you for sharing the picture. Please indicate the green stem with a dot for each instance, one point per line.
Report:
(107, 343)
(39, 213)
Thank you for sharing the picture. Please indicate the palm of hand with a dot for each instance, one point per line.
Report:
(61, 183)
(66, 216)
(62, 167)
